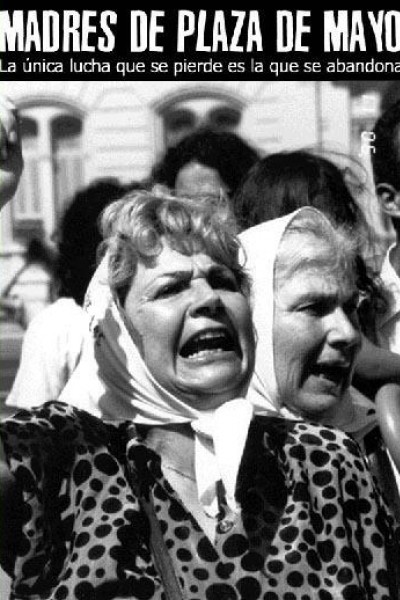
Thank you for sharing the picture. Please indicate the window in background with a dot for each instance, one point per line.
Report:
(26, 208)
(53, 171)
(185, 116)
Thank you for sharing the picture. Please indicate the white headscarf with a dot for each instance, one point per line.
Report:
(260, 244)
(113, 382)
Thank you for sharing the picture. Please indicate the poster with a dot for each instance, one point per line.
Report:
(283, 78)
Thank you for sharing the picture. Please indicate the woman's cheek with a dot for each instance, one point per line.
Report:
(290, 381)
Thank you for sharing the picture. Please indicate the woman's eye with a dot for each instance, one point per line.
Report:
(170, 289)
(224, 282)
(352, 306)
(315, 309)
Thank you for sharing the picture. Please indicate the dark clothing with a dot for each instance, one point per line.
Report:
(312, 523)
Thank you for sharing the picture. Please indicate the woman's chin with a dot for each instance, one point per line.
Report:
(212, 370)
(212, 385)
(321, 407)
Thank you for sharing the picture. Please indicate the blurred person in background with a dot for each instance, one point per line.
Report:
(53, 341)
(39, 256)
(205, 163)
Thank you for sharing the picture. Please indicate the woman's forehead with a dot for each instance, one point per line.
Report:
(305, 248)
(308, 242)
(308, 256)
(171, 259)
(316, 280)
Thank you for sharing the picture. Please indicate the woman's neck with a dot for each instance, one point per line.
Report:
(175, 445)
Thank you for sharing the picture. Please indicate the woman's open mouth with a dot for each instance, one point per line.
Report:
(208, 343)
(333, 373)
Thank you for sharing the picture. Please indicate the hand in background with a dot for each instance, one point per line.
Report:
(11, 161)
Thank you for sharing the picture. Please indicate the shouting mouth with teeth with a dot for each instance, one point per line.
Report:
(210, 344)
(212, 357)
(193, 327)
(330, 377)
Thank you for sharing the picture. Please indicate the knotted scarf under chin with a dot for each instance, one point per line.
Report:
(220, 437)
(113, 382)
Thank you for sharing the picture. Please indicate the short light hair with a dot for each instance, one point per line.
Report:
(135, 226)
(343, 243)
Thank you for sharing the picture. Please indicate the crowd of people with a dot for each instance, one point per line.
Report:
(226, 423)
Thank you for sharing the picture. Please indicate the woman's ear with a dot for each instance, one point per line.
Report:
(389, 199)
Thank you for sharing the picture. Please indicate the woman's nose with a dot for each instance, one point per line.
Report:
(343, 330)
(206, 300)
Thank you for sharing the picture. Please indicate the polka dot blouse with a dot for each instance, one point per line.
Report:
(312, 524)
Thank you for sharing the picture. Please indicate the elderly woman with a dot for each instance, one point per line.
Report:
(282, 182)
(189, 497)
(305, 314)
(304, 285)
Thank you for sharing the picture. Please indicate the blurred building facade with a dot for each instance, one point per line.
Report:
(75, 132)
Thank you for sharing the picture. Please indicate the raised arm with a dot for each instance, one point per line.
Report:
(11, 162)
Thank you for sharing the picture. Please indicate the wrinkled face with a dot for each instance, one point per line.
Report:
(316, 335)
(192, 325)
(195, 179)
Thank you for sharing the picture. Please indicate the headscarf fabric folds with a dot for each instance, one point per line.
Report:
(113, 382)
(260, 247)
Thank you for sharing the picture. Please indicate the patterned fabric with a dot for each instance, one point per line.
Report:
(312, 523)
(112, 381)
